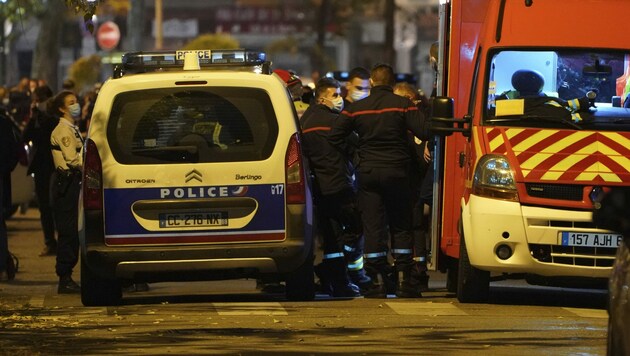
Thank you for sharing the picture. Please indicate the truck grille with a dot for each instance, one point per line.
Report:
(574, 255)
(555, 191)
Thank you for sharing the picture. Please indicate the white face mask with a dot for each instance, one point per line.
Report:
(75, 110)
(359, 94)
(337, 103)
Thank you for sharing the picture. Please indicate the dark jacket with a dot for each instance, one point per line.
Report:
(382, 121)
(9, 145)
(38, 130)
(332, 168)
(9, 154)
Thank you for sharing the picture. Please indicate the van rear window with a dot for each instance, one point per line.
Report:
(192, 125)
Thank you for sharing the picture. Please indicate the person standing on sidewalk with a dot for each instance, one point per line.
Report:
(382, 120)
(8, 161)
(67, 144)
(38, 131)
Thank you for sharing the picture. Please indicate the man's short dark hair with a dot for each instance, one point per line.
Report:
(324, 84)
(383, 74)
(359, 72)
(43, 93)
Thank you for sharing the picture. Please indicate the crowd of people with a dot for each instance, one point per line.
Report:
(369, 149)
(54, 126)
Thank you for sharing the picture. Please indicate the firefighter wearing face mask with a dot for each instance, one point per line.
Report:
(66, 144)
(338, 220)
(357, 86)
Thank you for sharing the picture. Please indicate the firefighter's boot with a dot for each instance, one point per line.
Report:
(420, 275)
(360, 279)
(408, 285)
(379, 272)
(356, 270)
(337, 283)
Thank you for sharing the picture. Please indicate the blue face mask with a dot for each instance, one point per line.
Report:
(75, 110)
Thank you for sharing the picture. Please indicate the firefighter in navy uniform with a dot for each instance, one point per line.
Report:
(338, 219)
(66, 144)
(381, 121)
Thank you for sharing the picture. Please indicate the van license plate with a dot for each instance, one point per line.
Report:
(611, 240)
(183, 220)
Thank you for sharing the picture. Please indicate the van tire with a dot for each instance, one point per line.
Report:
(473, 284)
(97, 291)
(300, 284)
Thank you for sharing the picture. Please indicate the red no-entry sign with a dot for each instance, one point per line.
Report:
(108, 36)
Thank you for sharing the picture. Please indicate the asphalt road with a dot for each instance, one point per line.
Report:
(233, 317)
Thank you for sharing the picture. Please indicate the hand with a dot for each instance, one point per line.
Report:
(427, 153)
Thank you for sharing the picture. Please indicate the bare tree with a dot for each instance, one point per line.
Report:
(46, 54)
(135, 24)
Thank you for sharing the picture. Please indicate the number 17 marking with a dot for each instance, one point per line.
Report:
(277, 189)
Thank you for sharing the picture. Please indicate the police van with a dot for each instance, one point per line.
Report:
(193, 171)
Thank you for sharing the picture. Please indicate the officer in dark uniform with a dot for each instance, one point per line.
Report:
(66, 144)
(338, 220)
(38, 131)
(382, 120)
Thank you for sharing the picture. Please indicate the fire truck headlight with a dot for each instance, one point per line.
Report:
(494, 178)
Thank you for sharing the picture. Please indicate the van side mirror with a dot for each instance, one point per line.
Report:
(443, 122)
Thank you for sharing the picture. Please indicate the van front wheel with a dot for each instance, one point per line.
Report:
(473, 284)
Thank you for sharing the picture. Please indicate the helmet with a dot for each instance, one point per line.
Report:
(528, 82)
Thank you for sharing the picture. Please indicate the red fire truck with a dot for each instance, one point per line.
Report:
(532, 93)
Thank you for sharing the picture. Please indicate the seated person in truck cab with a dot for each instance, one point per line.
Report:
(528, 85)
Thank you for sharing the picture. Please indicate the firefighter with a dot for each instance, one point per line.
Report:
(66, 144)
(381, 121)
(338, 220)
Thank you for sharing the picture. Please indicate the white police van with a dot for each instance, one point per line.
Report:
(193, 171)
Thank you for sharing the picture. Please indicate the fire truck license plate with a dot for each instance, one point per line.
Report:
(611, 240)
(184, 220)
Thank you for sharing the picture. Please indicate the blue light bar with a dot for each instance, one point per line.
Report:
(141, 62)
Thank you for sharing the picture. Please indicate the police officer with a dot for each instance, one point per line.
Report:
(337, 217)
(381, 120)
(66, 144)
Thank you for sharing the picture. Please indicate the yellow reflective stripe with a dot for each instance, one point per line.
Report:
(553, 103)
(574, 104)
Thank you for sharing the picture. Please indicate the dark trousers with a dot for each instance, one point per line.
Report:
(385, 199)
(42, 191)
(4, 242)
(65, 194)
(338, 221)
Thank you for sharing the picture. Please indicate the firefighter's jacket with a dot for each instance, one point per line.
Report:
(382, 121)
(332, 168)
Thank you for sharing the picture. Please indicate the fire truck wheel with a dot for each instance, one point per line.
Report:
(473, 285)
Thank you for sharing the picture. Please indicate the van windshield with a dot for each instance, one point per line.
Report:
(572, 88)
(192, 125)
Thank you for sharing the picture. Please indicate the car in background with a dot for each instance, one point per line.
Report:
(193, 171)
(614, 214)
